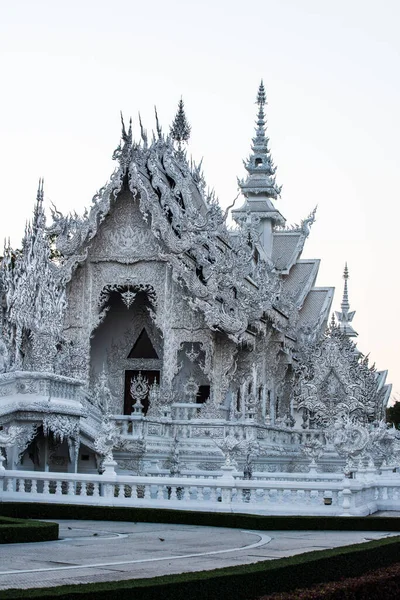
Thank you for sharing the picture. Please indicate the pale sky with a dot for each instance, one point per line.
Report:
(331, 72)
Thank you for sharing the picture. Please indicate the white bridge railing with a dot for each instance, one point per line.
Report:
(306, 496)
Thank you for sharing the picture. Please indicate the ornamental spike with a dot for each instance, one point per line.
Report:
(260, 166)
(345, 316)
(159, 130)
(345, 301)
(39, 193)
(123, 133)
(143, 132)
(261, 96)
(180, 128)
(130, 129)
(38, 211)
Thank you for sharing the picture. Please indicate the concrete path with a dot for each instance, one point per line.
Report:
(108, 551)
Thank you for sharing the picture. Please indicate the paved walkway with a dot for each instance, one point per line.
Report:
(108, 551)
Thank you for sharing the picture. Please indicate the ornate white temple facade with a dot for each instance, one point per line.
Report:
(152, 331)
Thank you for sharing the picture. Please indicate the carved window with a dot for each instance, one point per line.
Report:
(143, 347)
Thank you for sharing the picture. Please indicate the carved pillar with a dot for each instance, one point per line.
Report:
(243, 394)
(170, 355)
(272, 405)
(18, 345)
(223, 368)
(12, 457)
(73, 451)
(263, 403)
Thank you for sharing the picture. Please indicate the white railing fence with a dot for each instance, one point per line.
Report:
(303, 495)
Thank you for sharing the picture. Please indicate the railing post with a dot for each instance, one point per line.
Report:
(227, 483)
(346, 493)
(109, 473)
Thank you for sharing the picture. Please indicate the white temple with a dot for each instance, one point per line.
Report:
(151, 332)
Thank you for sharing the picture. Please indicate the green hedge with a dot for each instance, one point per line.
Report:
(377, 585)
(239, 583)
(14, 531)
(241, 521)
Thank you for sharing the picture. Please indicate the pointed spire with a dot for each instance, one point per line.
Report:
(259, 188)
(345, 301)
(123, 133)
(123, 151)
(143, 133)
(346, 316)
(158, 127)
(126, 137)
(38, 212)
(180, 128)
(260, 166)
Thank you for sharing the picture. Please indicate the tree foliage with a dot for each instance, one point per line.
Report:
(393, 414)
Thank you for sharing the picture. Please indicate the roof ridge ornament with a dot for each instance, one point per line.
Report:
(38, 211)
(143, 133)
(259, 165)
(345, 316)
(158, 126)
(304, 227)
(123, 151)
(180, 128)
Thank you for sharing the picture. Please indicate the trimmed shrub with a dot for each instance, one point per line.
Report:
(13, 531)
(377, 585)
(187, 517)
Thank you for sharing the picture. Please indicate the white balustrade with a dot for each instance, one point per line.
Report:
(301, 494)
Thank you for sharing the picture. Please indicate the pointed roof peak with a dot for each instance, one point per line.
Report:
(126, 137)
(260, 166)
(123, 150)
(345, 316)
(261, 96)
(158, 126)
(40, 190)
(143, 132)
(38, 213)
(345, 301)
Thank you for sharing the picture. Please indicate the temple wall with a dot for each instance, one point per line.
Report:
(124, 256)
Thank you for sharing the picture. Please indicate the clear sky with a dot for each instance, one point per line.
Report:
(331, 71)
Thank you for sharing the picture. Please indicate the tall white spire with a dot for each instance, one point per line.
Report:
(260, 188)
(259, 165)
(346, 316)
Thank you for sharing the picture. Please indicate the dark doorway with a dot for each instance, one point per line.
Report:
(203, 394)
(143, 348)
(148, 376)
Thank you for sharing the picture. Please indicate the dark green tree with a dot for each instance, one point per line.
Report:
(393, 414)
(180, 128)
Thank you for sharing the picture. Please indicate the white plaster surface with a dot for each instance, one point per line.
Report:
(89, 551)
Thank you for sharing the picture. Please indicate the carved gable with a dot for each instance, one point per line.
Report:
(333, 380)
(124, 235)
